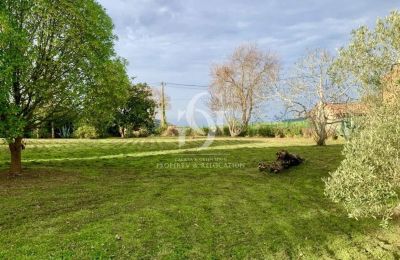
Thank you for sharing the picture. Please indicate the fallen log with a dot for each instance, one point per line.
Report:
(283, 161)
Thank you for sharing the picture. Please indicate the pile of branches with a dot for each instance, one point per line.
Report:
(283, 161)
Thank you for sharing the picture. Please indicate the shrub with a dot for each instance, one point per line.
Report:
(189, 131)
(205, 130)
(252, 130)
(367, 181)
(225, 131)
(86, 131)
(279, 131)
(142, 132)
(218, 131)
(171, 131)
(159, 130)
(307, 132)
(65, 131)
(265, 130)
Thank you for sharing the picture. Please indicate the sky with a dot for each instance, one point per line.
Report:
(176, 41)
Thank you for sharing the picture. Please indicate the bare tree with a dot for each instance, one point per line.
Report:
(241, 84)
(312, 89)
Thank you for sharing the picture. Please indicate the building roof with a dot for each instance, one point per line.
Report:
(344, 109)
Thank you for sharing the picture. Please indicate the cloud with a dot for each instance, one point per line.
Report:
(178, 40)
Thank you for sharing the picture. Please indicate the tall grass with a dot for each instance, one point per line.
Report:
(271, 129)
(278, 129)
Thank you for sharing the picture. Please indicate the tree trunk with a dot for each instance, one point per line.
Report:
(15, 150)
(122, 131)
(53, 135)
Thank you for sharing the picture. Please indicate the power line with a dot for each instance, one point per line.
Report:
(181, 85)
(198, 86)
(187, 85)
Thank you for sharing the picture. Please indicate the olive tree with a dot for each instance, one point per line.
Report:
(368, 179)
(53, 55)
(242, 83)
(367, 182)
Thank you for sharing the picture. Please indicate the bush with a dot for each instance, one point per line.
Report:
(205, 130)
(279, 131)
(142, 132)
(366, 182)
(189, 131)
(252, 130)
(65, 131)
(217, 131)
(86, 131)
(225, 131)
(307, 132)
(171, 131)
(265, 131)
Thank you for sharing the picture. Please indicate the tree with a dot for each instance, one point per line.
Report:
(367, 182)
(311, 88)
(113, 90)
(241, 84)
(138, 111)
(370, 55)
(53, 55)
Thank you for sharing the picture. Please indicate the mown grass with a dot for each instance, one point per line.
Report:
(114, 200)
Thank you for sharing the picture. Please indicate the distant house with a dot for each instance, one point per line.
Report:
(341, 117)
(339, 111)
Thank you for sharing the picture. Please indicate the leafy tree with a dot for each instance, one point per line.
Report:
(138, 111)
(367, 182)
(114, 88)
(370, 55)
(53, 55)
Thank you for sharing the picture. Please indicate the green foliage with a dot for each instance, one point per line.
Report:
(279, 129)
(370, 54)
(226, 131)
(138, 110)
(87, 132)
(348, 127)
(143, 132)
(113, 91)
(189, 131)
(65, 131)
(171, 131)
(54, 58)
(368, 180)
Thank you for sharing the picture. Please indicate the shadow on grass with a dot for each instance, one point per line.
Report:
(225, 211)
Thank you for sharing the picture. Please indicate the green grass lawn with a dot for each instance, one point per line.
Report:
(150, 198)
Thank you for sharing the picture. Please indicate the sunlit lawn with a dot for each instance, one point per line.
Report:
(135, 198)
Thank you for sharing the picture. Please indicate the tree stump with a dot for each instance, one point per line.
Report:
(283, 161)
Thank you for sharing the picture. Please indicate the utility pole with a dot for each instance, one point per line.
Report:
(163, 115)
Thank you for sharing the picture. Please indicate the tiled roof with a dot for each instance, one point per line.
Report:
(342, 109)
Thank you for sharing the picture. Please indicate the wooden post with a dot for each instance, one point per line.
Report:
(163, 114)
